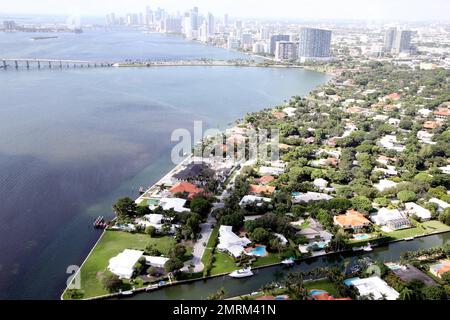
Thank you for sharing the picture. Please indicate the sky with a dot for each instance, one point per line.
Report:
(412, 10)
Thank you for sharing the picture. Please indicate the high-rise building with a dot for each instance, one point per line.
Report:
(148, 16)
(247, 40)
(402, 42)
(211, 25)
(286, 50)
(225, 20)
(194, 18)
(238, 24)
(389, 38)
(314, 44)
(171, 25)
(9, 25)
(274, 39)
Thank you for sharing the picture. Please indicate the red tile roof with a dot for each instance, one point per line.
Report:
(352, 219)
(261, 189)
(186, 187)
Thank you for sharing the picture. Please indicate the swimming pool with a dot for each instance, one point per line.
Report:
(349, 282)
(316, 292)
(296, 194)
(363, 236)
(259, 251)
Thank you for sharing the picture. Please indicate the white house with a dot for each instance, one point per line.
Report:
(383, 185)
(321, 183)
(445, 169)
(442, 205)
(310, 197)
(384, 215)
(415, 209)
(270, 171)
(251, 199)
(390, 142)
(176, 204)
(282, 238)
(123, 264)
(290, 111)
(230, 242)
(392, 219)
(375, 286)
(157, 262)
(390, 171)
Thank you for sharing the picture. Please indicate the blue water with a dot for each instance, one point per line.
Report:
(316, 292)
(73, 141)
(361, 236)
(259, 251)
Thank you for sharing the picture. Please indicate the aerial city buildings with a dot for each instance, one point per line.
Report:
(397, 41)
(299, 44)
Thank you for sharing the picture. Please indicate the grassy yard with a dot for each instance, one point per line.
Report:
(325, 285)
(435, 226)
(111, 244)
(223, 263)
(210, 245)
(264, 261)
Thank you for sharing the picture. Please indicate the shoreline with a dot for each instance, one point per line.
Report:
(151, 288)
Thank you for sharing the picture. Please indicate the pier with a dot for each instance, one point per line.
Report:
(37, 63)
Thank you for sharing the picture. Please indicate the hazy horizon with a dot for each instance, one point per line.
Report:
(399, 10)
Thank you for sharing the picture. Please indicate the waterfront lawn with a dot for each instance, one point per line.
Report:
(435, 226)
(272, 258)
(210, 245)
(323, 284)
(111, 244)
(405, 233)
(223, 263)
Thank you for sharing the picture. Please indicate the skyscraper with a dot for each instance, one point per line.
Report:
(314, 44)
(225, 20)
(211, 28)
(286, 50)
(389, 38)
(274, 39)
(402, 42)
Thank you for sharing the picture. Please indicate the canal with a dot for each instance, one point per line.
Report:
(199, 290)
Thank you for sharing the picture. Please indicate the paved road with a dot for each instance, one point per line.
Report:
(200, 245)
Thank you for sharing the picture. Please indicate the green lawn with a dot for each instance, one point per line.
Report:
(435, 226)
(223, 263)
(264, 261)
(111, 244)
(325, 285)
(210, 245)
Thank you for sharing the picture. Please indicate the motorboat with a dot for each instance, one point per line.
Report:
(409, 239)
(242, 273)
(368, 248)
(358, 248)
(288, 262)
(127, 293)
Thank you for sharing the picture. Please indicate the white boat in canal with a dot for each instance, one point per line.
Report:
(409, 239)
(368, 248)
(242, 273)
(288, 262)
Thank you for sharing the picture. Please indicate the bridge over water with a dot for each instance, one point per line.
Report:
(37, 63)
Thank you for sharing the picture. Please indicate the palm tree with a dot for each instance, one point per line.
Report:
(406, 294)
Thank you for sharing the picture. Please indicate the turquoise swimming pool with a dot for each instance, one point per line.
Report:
(259, 251)
(364, 236)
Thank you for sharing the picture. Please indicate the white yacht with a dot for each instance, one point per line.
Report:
(368, 248)
(242, 273)
(288, 262)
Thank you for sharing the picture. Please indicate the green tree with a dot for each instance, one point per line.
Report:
(112, 283)
(260, 235)
(125, 207)
(173, 264)
(178, 251)
(434, 293)
(151, 231)
(407, 294)
(362, 204)
(406, 196)
(200, 205)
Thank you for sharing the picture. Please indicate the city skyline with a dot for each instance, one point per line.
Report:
(282, 9)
